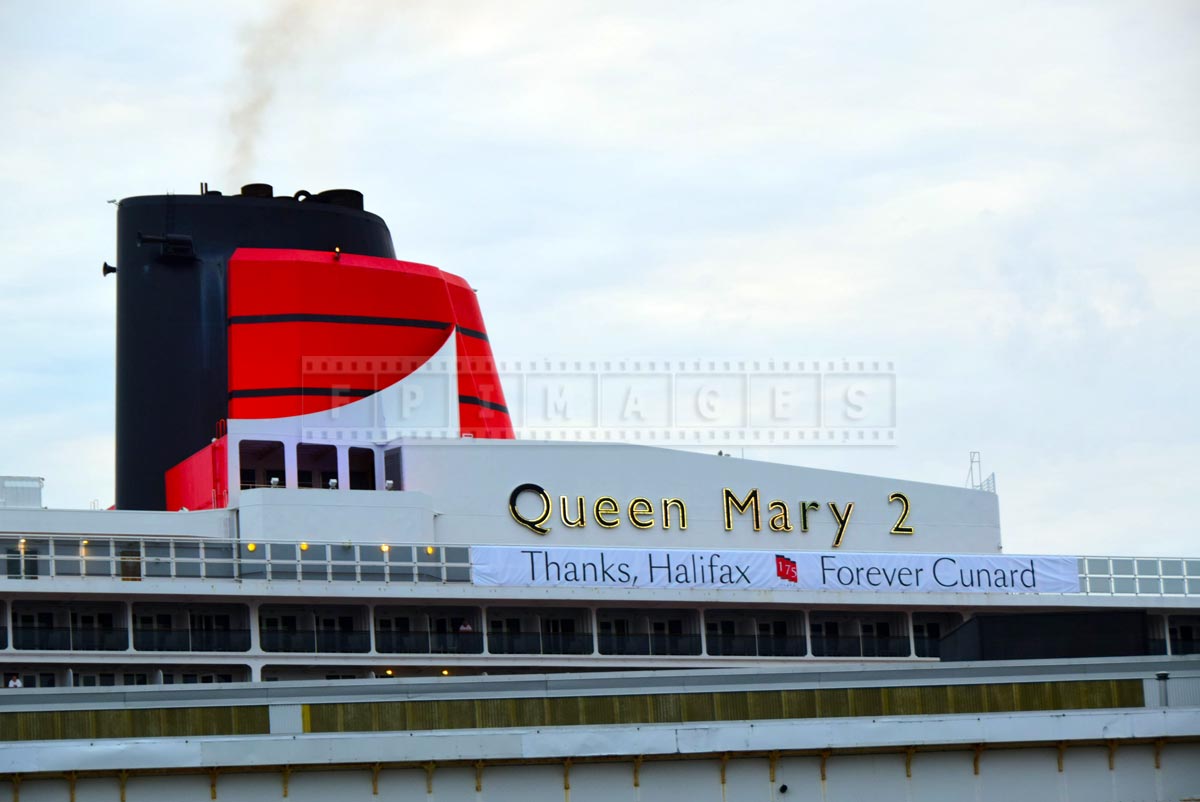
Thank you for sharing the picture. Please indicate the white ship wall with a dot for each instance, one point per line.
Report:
(1029, 774)
(470, 483)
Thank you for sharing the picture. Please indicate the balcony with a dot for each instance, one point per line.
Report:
(389, 642)
(66, 639)
(675, 644)
(755, 645)
(849, 646)
(894, 646)
(732, 645)
(346, 642)
(281, 641)
(309, 641)
(428, 642)
(624, 644)
(456, 642)
(567, 643)
(515, 642)
(151, 640)
(781, 645)
(854, 646)
(644, 644)
(928, 647)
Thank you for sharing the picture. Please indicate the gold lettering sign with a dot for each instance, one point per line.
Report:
(607, 512)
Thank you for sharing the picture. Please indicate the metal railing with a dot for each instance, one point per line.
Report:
(185, 640)
(1139, 576)
(755, 645)
(648, 644)
(69, 639)
(138, 559)
(856, 646)
(135, 559)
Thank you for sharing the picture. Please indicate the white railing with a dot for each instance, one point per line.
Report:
(1139, 576)
(137, 558)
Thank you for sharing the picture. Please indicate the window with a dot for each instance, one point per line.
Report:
(316, 465)
(131, 561)
(362, 469)
(260, 461)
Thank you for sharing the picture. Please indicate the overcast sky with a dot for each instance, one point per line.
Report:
(1002, 198)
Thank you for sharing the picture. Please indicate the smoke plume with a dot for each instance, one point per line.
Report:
(270, 50)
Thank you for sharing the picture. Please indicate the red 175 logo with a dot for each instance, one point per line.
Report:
(785, 568)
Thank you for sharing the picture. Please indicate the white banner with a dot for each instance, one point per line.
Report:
(514, 566)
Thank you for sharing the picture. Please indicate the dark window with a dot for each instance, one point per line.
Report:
(260, 461)
(362, 469)
(317, 463)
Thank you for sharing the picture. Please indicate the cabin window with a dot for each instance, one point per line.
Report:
(25, 559)
(362, 469)
(97, 558)
(317, 465)
(158, 557)
(260, 461)
(283, 561)
(218, 560)
(187, 559)
(131, 561)
(314, 562)
(66, 557)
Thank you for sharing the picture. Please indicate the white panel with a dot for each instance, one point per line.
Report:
(1135, 774)
(178, 789)
(1087, 775)
(747, 779)
(121, 523)
(472, 481)
(1018, 775)
(42, 791)
(694, 781)
(860, 777)
(291, 515)
(948, 777)
(506, 783)
(1180, 774)
(802, 776)
(1006, 775)
(286, 718)
(404, 784)
(603, 782)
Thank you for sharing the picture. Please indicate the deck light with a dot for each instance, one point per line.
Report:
(303, 547)
(249, 546)
(445, 672)
(84, 543)
(428, 549)
(385, 548)
(388, 672)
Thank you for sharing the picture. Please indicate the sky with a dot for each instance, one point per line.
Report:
(1003, 199)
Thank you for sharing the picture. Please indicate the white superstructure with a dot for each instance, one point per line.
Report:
(450, 571)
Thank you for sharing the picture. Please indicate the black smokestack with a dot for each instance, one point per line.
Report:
(173, 253)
